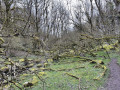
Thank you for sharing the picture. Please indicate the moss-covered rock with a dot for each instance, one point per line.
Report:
(27, 84)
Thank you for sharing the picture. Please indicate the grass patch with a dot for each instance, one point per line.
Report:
(59, 80)
(61, 76)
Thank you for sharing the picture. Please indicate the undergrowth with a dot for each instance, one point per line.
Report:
(62, 78)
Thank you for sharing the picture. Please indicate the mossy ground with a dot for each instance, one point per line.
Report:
(59, 80)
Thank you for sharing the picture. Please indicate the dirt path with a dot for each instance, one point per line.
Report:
(113, 82)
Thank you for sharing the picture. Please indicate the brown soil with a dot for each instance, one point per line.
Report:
(113, 82)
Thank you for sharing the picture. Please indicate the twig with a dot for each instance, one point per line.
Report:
(73, 76)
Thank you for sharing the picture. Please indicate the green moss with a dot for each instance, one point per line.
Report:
(30, 65)
(4, 68)
(24, 75)
(33, 69)
(46, 64)
(1, 41)
(1, 50)
(97, 61)
(34, 80)
(7, 63)
(50, 60)
(58, 80)
(108, 47)
(39, 65)
(22, 60)
(41, 73)
(42, 68)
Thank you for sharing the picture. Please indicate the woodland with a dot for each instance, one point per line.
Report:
(59, 44)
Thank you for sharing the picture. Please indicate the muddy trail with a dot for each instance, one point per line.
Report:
(113, 82)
